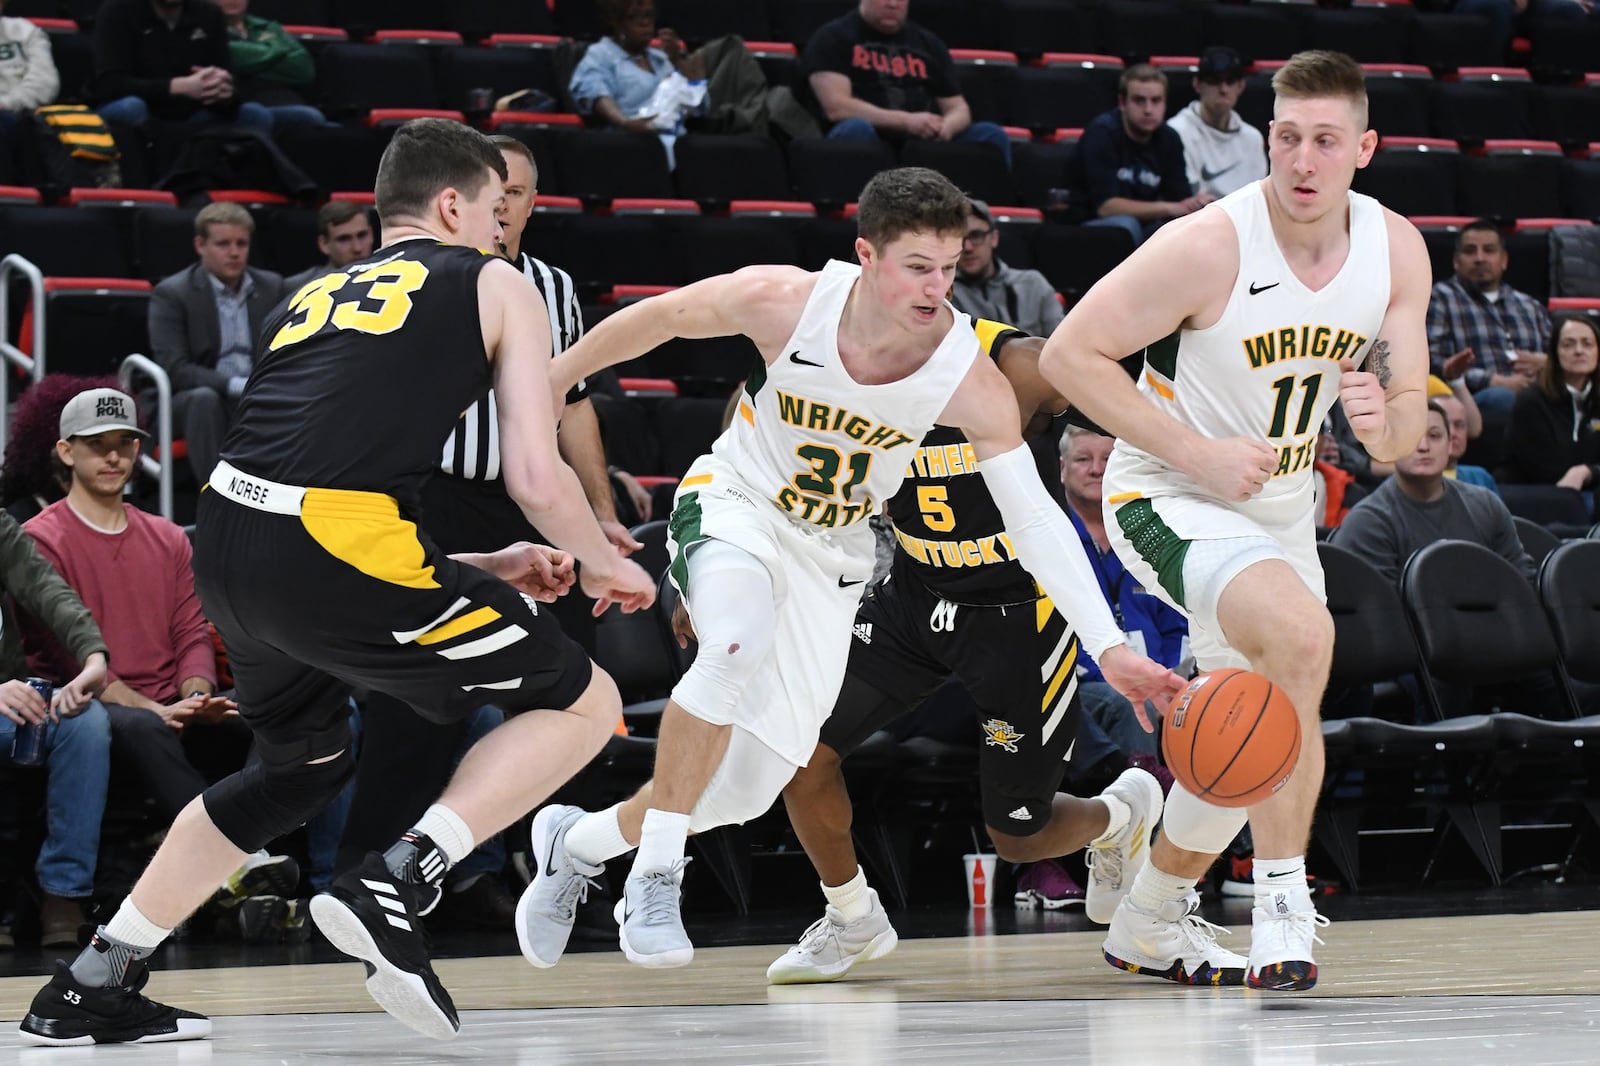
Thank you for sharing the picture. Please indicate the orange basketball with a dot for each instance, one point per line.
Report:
(1231, 738)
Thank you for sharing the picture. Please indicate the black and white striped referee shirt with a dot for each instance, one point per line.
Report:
(473, 448)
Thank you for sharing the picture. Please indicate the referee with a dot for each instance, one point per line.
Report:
(405, 759)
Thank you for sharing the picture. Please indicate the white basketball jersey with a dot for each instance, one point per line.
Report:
(824, 449)
(1269, 367)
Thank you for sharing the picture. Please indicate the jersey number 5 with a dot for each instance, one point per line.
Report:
(389, 285)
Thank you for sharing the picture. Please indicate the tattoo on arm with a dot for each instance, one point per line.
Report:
(1378, 362)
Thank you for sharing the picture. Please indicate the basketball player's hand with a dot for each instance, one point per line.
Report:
(543, 572)
(1362, 398)
(71, 698)
(1139, 678)
(682, 627)
(1234, 468)
(620, 538)
(624, 583)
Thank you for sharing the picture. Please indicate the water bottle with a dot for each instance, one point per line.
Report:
(27, 747)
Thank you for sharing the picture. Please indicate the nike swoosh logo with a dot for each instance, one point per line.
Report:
(1256, 290)
(846, 584)
(1284, 873)
(549, 862)
(1213, 175)
(794, 357)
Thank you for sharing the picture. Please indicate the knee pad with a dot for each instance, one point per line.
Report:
(735, 634)
(1195, 825)
(273, 796)
(746, 784)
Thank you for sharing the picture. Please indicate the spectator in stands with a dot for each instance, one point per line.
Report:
(204, 321)
(1419, 505)
(33, 477)
(1222, 151)
(77, 742)
(1481, 330)
(1335, 487)
(1466, 423)
(28, 77)
(1131, 170)
(132, 571)
(1154, 628)
(167, 59)
(270, 67)
(1555, 426)
(873, 74)
(986, 287)
(344, 235)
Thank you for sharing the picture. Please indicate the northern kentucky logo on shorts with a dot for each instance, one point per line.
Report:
(998, 734)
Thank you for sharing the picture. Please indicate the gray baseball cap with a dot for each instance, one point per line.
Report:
(99, 411)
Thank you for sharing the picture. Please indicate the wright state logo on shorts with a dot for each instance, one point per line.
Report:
(998, 734)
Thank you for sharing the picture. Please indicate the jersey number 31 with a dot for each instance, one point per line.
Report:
(389, 285)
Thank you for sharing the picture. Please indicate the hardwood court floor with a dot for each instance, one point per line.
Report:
(1512, 990)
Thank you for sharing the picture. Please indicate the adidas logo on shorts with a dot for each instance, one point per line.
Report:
(863, 632)
(1021, 814)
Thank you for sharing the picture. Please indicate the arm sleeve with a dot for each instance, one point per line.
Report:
(1049, 547)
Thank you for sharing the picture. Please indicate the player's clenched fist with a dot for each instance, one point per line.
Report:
(1362, 397)
(1234, 468)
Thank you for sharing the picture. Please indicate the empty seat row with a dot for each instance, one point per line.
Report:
(1532, 184)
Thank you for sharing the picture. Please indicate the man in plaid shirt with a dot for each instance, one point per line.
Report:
(1482, 330)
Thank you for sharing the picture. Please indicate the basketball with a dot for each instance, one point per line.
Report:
(1231, 738)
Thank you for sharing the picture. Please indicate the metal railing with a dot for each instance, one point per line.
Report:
(160, 468)
(33, 365)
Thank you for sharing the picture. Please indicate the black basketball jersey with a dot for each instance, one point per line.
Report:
(361, 375)
(948, 529)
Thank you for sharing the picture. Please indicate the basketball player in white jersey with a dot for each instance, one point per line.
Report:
(1254, 315)
(770, 542)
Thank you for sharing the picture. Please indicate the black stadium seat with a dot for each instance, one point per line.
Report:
(338, 158)
(1061, 96)
(1030, 27)
(1397, 106)
(65, 241)
(1449, 41)
(1471, 111)
(978, 169)
(1256, 31)
(1411, 180)
(358, 77)
(714, 246)
(698, 21)
(832, 173)
(1511, 184)
(1370, 36)
(601, 166)
(1135, 29)
(463, 68)
(1075, 257)
(716, 168)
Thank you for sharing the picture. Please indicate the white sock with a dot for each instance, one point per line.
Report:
(1152, 888)
(853, 898)
(1119, 813)
(597, 838)
(662, 840)
(128, 926)
(1272, 876)
(446, 829)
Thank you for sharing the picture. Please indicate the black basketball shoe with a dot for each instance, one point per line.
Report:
(66, 1013)
(371, 915)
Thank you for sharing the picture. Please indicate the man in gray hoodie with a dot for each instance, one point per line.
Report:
(987, 288)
